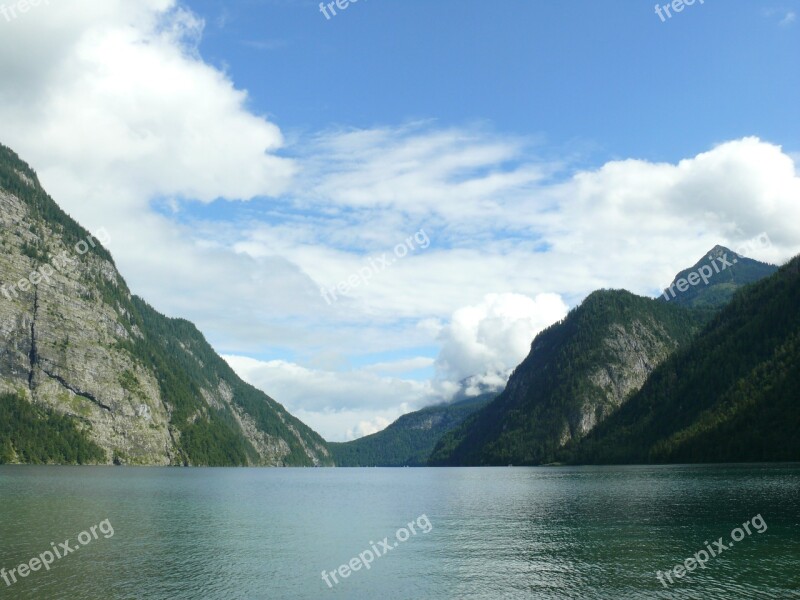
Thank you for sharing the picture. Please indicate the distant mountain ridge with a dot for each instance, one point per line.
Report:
(409, 441)
(91, 373)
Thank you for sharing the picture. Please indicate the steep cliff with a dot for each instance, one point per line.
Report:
(731, 395)
(579, 371)
(75, 343)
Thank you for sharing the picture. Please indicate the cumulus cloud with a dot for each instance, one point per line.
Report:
(492, 337)
(636, 223)
(111, 103)
(482, 343)
(628, 223)
(127, 102)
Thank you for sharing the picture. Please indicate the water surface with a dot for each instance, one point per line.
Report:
(540, 533)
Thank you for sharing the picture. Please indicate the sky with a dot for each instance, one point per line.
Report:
(370, 212)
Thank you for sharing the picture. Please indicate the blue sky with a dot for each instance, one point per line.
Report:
(245, 155)
(606, 79)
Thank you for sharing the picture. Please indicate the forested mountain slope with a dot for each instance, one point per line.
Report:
(733, 394)
(409, 441)
(579, 371)
(91, 373)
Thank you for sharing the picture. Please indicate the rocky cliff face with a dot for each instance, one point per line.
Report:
(730, 395)
(147, 389)
(58, 342)
(578, 373)
(632, 350)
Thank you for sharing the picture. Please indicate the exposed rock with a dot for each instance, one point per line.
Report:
(73, 339)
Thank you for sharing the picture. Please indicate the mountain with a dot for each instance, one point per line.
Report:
(732, 395)
(579, 371)
(712, 281)
(90, 373)
(409, 441)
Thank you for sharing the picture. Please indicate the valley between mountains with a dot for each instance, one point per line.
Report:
(92, 374)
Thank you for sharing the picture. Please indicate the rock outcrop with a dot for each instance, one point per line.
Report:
(147, 389)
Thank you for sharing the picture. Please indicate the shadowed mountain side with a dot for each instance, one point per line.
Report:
(409, 441)
(732, 395)
(579, 371)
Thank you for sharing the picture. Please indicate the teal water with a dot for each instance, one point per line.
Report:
(549, 533)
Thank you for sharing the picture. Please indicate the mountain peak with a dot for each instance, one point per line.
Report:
(715, 278)
(719, 251)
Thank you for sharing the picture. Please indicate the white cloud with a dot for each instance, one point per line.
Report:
(787, 17)
(494, 336)
(128, 103)
(629, 223)
(111, 103)
(484, 341)
(631, 214)
(368, 428)
(419, 169)
(401, 366)
(335, 403)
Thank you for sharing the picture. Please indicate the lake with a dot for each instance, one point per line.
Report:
(541, 533)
